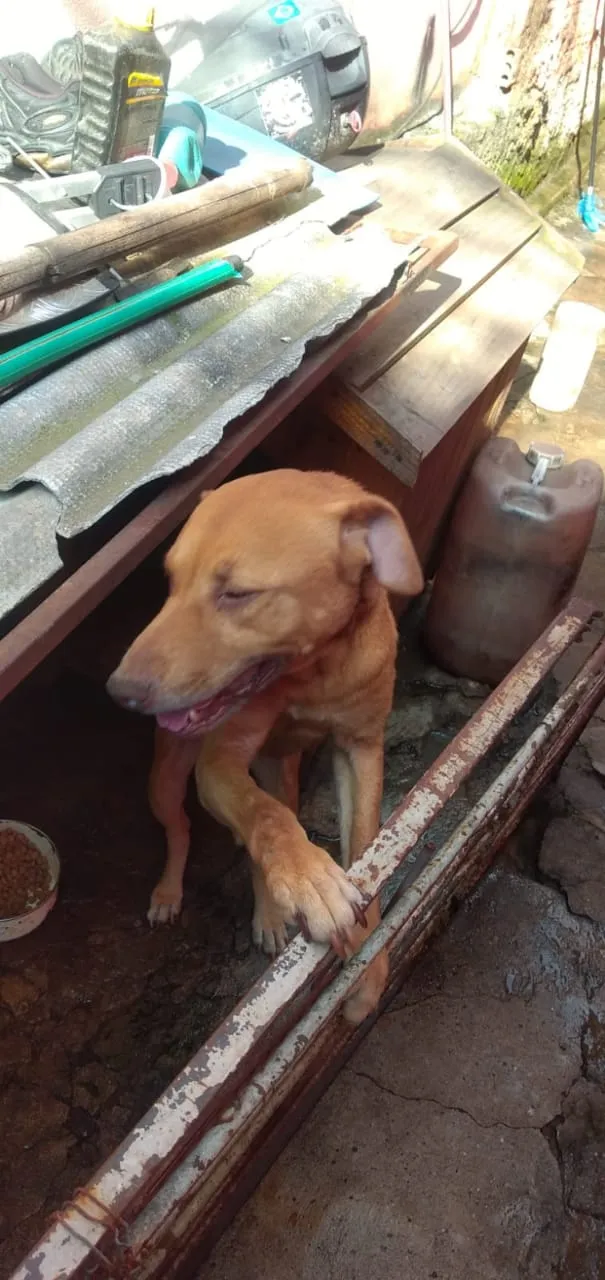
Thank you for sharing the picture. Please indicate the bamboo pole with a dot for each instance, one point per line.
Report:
(198, 214)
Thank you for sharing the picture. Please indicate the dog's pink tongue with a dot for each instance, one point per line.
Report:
(174, 721)
(211, 711)
(197, 718)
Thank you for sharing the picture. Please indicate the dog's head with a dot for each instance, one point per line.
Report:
(266, 570)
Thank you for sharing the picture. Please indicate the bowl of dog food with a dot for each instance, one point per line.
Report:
(29, 876)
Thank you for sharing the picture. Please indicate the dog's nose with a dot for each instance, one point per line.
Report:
(129, 692)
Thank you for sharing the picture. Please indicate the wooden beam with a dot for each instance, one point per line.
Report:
(428, 186)
(404, 414)
(487, 238)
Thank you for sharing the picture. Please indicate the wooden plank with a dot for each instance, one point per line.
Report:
(426, 506)
(440, 378)
(371, 428)
(404, 413)
(428, 187)
(313, 442)
(488, 237)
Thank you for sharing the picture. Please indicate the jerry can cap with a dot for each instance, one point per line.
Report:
(544, 457)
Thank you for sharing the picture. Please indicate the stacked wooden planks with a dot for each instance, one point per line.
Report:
(421, 393)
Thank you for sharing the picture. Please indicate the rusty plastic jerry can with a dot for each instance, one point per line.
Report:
(513, 551)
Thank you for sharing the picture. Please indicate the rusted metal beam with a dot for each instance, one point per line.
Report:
(143, 1169)
(47, 625)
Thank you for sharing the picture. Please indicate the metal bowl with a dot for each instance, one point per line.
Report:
(17, 926)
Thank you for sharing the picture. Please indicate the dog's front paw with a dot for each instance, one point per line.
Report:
(366, 995)
(269, 928)
(311, 890)
(165, 905)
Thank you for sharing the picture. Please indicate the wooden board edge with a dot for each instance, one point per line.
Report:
(564, 248)
(440, 245)
(441, 314)
(375, 408)
(563, 276)
(558, 242)
(368, 429)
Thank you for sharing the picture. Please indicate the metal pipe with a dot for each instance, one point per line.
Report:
(596, 115)
(446, 70)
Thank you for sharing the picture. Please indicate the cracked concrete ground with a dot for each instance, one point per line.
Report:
(466, 1138)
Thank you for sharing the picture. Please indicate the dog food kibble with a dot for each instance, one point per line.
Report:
(24, 874)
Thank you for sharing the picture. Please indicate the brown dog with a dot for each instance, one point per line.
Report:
(277, 632)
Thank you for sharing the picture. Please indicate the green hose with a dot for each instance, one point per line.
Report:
(33, 356)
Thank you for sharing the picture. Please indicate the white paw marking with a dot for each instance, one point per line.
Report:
(164, 908)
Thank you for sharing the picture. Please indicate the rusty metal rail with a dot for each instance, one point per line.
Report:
(173, 1184)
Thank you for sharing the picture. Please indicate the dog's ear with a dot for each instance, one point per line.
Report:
(373, 533)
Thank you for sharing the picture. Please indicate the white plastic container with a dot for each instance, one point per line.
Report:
(12, 927)
(567, 356)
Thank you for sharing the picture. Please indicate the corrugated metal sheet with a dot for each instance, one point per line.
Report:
(32, 515)
(155, 400)
(151, 402)
(29, 553)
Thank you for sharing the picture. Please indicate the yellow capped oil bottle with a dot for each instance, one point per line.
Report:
(123, 91)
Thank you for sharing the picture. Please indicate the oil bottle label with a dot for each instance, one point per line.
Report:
(139, 122)
(143, 87)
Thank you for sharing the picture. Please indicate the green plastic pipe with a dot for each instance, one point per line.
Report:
(33, 356)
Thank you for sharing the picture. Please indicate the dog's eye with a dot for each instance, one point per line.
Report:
(232, 599)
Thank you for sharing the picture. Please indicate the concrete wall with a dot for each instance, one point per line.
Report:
(525, 130)
(519, 70)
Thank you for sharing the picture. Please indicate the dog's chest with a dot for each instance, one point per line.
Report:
(298, 729)
(303, 727)
(335, 698)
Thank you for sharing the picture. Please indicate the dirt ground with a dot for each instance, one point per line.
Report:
(467, 1136)
(97, 1011)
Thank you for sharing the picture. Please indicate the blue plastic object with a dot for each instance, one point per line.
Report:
(590, 210)
(182, 137)
(182, 149)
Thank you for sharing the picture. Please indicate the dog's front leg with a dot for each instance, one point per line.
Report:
(172, 766)
(358, 771)
(304, 885)
(279, 777)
